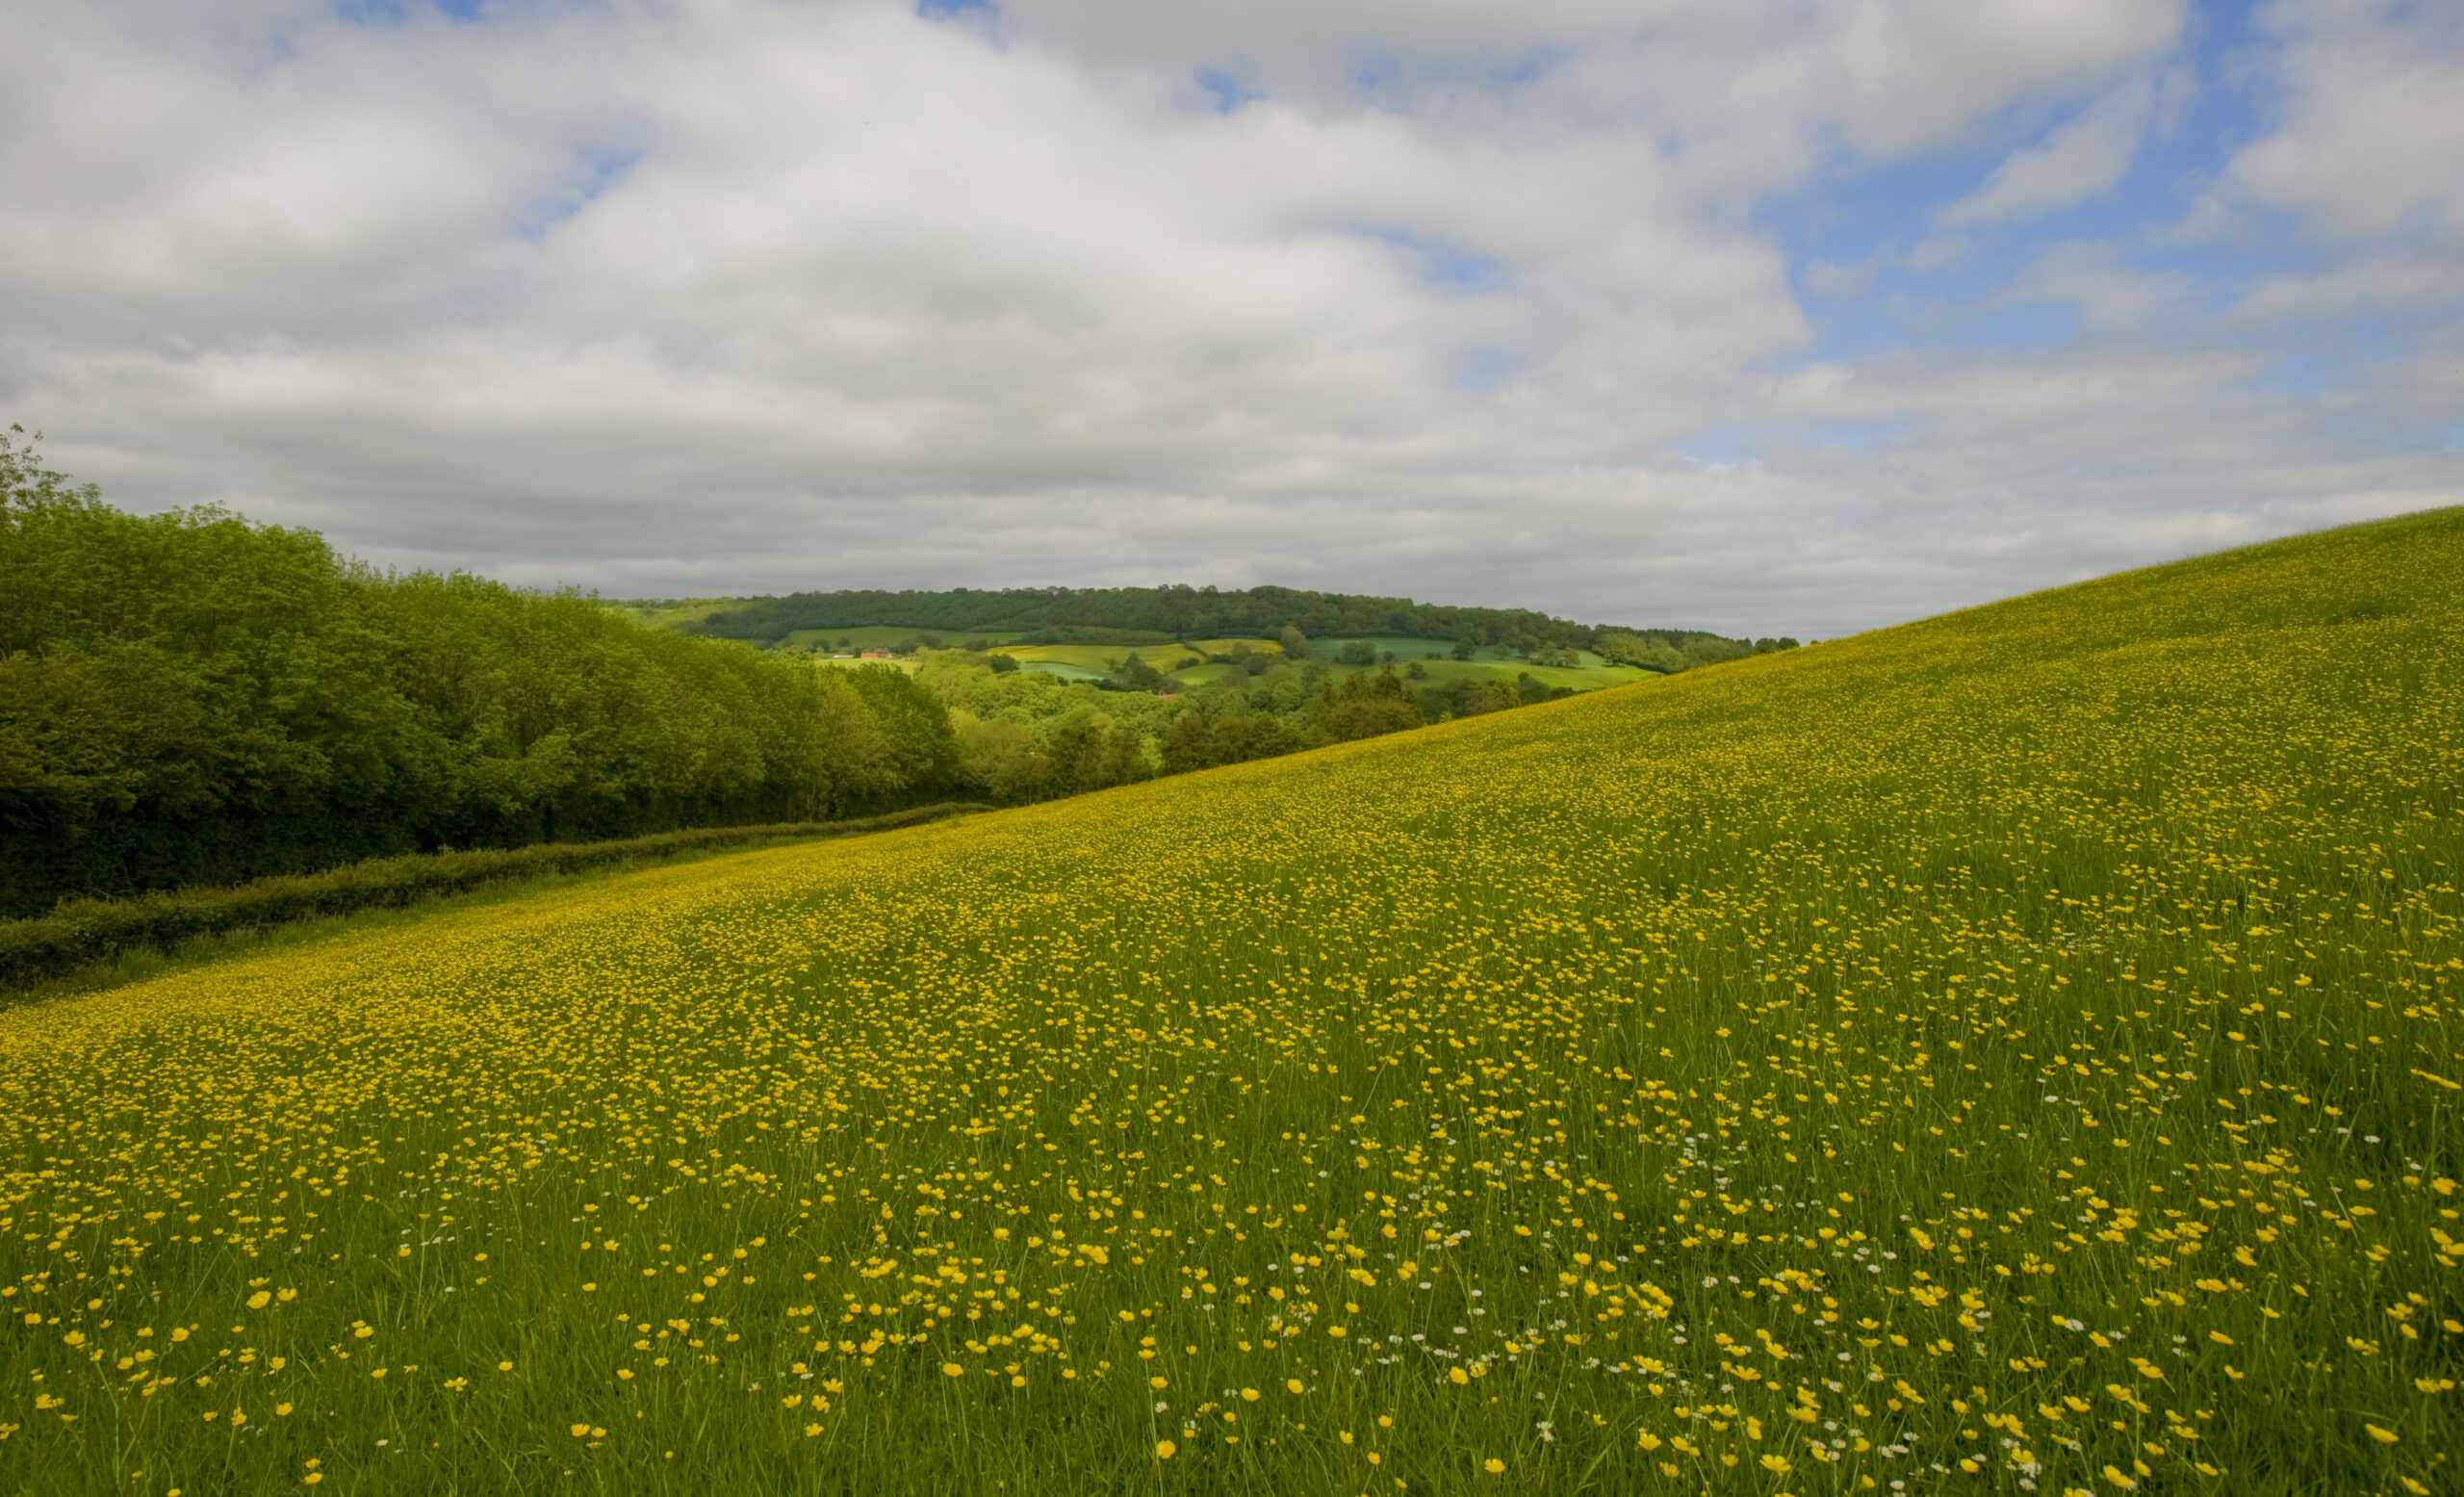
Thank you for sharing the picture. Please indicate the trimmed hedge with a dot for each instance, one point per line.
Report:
(82, 932)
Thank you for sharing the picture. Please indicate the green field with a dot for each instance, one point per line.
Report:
(1094, 663)
(1436, 657)
(880, 636)
(2018, 1051)
(1070, 662)
(1091, 662)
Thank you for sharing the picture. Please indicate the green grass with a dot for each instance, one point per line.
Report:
(146, 964)
(1070, 663)
(1094, 663)
(1089, 663)
(1591, 675)
(89, 944)
(2026, 1040)
(882, 637)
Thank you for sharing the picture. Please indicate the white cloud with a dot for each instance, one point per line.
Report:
(1887, 75)
(2084, 157)
(730, 293)
(2369, 132)
(2111, 296)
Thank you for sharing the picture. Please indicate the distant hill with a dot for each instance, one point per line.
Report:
(1155, 615)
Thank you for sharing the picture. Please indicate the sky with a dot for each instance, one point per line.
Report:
(1765, 316)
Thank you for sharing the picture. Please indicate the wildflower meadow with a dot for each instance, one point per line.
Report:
(2014, 1052)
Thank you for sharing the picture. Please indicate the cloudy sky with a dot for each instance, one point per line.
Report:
(1774, 316)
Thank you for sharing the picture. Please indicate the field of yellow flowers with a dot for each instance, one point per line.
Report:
(2014, 1052)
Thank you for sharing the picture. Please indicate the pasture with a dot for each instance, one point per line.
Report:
(2013, 1052)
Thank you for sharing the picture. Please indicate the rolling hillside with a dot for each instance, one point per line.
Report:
(2018, 1051)
(1094, 662)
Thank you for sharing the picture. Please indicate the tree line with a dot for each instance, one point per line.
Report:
(1157, 615)
(191, 698)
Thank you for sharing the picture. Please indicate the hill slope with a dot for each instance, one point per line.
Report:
(2025, 1041)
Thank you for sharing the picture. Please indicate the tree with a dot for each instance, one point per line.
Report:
(1466, 646)
(1001, 757)
(1357, 652)
(1366, 705)
(1189, 744)
(1132, 673)
(1296, 645)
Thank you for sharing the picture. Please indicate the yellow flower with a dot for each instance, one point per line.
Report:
(1294, 1383)
(2382, 1437)
(1493, 1466)
(1775, 1464)
(259, 1299)
(1158, 1383)
(1248, 1395)
(1458, 1376)
(504, 1366)
(953, 1370)
(580, 1431)
(1163, 1450)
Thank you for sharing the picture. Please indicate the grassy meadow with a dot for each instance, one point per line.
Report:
(1090, 662)
(2014, 1052)
(1093, 663)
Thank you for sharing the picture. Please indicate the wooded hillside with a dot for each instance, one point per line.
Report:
(1141, 616)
